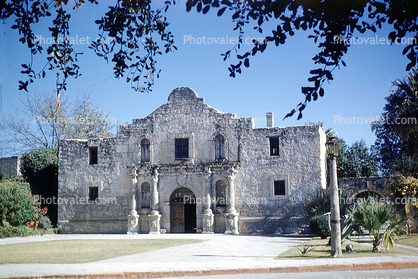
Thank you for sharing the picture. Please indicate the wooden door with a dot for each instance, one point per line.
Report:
(177, 217)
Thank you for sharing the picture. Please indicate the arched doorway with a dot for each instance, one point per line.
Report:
(182, 211)
(363, 195)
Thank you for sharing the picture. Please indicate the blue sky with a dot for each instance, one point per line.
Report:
(271, 84)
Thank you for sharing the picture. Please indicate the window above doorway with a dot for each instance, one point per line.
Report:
(145, 151)
(219, 147)
(182, 148)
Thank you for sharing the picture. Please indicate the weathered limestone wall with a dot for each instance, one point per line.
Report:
(299, 163)
(76, 213)
(11, 166)
(184, 118)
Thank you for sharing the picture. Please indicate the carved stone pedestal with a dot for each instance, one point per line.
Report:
(207, 218)
(133, 225)
(154, 222)
(231, 223)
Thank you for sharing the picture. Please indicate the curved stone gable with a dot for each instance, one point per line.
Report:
(184, 104)
(182, 94)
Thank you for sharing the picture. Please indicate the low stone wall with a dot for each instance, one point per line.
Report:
(95, 226)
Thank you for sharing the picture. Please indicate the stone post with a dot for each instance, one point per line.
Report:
(133, 226)
(207, 215)
(231, 215)
(155, 216)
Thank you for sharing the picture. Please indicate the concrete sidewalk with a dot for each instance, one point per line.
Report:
(220, 254)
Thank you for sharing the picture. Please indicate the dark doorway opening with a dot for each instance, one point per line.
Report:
(190, 218)
(182, 211)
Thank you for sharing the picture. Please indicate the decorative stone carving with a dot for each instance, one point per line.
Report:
(133, 204)
(133, 227)
(231, 216)
(231, 188)
(154, 222)
(145, 211)
(154, 192)
(220, 209)
(207, 217)
(231, 223)
(155, 216)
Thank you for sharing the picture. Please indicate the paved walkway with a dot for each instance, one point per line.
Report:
(220, 254)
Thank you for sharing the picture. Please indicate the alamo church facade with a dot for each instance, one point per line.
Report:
(188, 167)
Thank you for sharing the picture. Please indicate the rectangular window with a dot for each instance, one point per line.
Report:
(93, 155)
(93, 193)
(274, 146)
(182, 148)
(279, 188)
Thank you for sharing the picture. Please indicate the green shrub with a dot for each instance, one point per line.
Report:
(319, 226)
(17, 204)
(45, 223)
(320, 203)
(378, 220)
(6, 230)
(317, 204)
(40, 169)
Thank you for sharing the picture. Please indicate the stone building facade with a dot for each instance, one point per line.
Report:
(188, 167)
(11, 166)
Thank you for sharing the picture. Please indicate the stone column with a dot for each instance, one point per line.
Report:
(133, 227)
(231, 192)
(231, 215)
(207, 216)
(154, 192)
(213, 196)
(155, 216)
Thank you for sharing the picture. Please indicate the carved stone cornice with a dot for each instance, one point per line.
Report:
(184, 169)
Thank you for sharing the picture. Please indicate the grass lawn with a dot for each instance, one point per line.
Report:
(410, 240)
(82, 250)
(321, 250)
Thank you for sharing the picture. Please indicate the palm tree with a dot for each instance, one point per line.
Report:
(402, 110)
(378, 220)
